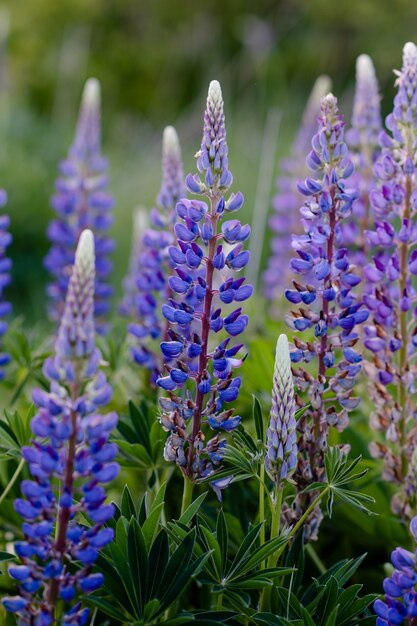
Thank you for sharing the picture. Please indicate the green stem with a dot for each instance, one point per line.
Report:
(265, 604)
(315, 558)
(12, 480)
(219, 604)
(262, 507)
(187, 494)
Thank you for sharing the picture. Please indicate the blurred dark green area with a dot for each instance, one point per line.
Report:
(155, 60)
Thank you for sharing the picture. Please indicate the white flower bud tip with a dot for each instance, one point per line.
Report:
(215, 92)
(91, 93)
(170, 141)
(282, 356)
(410, 53)
(365, 68)
(84, 256)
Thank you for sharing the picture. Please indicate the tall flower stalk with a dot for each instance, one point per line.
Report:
(81, 201)
(69, 459)
(326, 303)
(201, 285)
(392, 335)
(5, 267)
(285, 220)
(154, 265)
(127, 307)
(281, 442)
(363, 142)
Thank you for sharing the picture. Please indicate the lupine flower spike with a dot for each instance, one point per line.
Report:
(127, 307)
(285, 219)
(363, 141)
(69, 459)
(81, 201)
(5, 267)
(400, 602)
(154, 264)
(392, 336)
(195, 358)
(324, 299)
(281, 455)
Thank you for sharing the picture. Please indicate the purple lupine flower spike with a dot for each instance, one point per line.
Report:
(195, 360)
(391, 337)
(5, 267)
(127, 307)
(363, 141)
(69, 459)
(285, 219)
(154, 265)
(81, 201)
(281, 455)
(325, 303)
(399, 605)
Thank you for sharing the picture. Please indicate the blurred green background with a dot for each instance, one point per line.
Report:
(154, 60)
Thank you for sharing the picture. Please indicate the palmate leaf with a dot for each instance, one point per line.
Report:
(142, 579)
(340, 473)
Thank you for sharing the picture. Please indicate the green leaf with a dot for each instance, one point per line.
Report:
(106, 607)
(127, 505)
(189, 513)
(222, 538)
(138, 562)
(258, 418)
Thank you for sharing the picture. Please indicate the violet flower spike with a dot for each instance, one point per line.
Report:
(399, 605)
(325, 302)
(194, 359)
(363, 141)
(5, 267)
(154, 265)
(281, 455)
(285, 219)
(391, 336)
(81, 201)
(69, 459)
(127, 306)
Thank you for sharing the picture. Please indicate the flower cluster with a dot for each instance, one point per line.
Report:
(281, 455)
(391, 337)
(400, 605)
(127, 307)
(327, 306)
(208, 252)
(81, 201)
(69, 459)
(284, 221)
(153, 266)
(5, 266)
(363, 141)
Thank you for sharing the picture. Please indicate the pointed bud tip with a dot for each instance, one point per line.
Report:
(85, 248)
(410, 53)
(215, 91)
(365, 67)
(91, 92)
(140, 221)
(322, 86)
(170, 141)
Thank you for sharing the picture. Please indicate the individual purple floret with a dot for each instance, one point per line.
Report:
(201, 286)
(154, 264)
(363, 141)
(285, 219)
(5, 267)
(69, 459)
(281, 455)
(400, 602)
(81, 201)
(391, 336)
(326, 307)
(127, 307)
